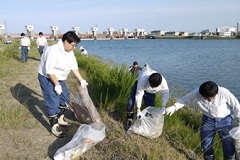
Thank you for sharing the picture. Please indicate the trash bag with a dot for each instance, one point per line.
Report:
(83, 107)
(151, 124)
(86, 137)
(235, 134)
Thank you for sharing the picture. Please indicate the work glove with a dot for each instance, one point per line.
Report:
(170, 110)
(139, 115)
(83, 83)
(58, 89)
(28, 48)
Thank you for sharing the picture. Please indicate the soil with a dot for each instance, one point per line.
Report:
(34, 141)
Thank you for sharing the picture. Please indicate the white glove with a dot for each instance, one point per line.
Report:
(28, 48)
(19, 47)
(170, 110)
(83, 83)
(58, 89)
(139, 115)
(37, 46)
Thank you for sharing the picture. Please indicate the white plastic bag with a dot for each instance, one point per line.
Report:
(235, 134)
(151, 124)
(86, 137)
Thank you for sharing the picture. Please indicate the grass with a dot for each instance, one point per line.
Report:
(109, 88)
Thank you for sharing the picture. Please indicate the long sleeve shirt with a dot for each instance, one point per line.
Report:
(55, 60)
(143, 85)
(222, 105)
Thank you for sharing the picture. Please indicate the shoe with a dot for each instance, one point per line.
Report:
(61, 120)
(57, 131)
(129, 123)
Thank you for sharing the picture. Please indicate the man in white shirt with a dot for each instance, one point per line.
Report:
(148, 83)
(41, 43)
(25, 47)
(216, 103)
(56, 63)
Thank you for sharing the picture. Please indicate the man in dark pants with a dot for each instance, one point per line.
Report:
(56, 63)
(216, 104)
(149, 83)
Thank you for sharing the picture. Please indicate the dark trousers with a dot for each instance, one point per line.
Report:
(208, 130)
(149, 99)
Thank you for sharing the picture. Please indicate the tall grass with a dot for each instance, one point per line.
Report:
(110, 87)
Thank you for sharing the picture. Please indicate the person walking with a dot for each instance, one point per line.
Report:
(56, 63)
(41, 43)
(148, 83)
(134, 69)
(25, 47)
(216, 103)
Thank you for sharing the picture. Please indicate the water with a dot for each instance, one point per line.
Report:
(184, 63)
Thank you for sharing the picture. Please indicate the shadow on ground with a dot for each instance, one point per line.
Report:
(28, 98)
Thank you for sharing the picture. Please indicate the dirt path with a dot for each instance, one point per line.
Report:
(33, 141)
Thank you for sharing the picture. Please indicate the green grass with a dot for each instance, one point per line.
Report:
(109, 88)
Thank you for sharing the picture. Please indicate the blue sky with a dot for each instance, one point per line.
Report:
(167, 15)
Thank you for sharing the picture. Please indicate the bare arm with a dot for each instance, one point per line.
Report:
(77, 74)
(53, 79)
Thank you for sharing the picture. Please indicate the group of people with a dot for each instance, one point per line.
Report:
(216, 103)
(25, 44)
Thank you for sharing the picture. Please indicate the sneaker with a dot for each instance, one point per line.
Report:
(129, 123)
(57, 131)
(62, 121)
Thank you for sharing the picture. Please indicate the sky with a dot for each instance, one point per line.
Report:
(150, 15)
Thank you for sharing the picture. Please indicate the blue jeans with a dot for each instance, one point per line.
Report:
(51, 98)
(24, 53)
(40, 50)
(149, 99)
(208, 130)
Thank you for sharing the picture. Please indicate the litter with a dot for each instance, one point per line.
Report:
(151, 124)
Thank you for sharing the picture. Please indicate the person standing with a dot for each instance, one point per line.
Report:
(134, 69)
(148, 83)
(56, 63)
(41, 43)
(217, 104)
(25, 47)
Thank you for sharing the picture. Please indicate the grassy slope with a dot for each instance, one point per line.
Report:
(180, 131)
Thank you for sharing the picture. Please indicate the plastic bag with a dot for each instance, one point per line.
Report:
(235, 134)
(151, 124)
(84, 108)
(86, 137)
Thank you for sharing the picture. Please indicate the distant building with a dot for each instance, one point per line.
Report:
(158, 33)
(226, 31)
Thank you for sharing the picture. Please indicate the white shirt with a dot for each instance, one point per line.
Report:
(25, 41)
(55, 60)
(41, 41)
(222, 105)
(143, 85)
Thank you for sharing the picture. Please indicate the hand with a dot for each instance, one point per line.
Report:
(28, 48)
(139, 115)
(170, 110)
(37, 46)
(19, 47)
(58, 89)
(83, 83)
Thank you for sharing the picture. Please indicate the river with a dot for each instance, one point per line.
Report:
(185, 64)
